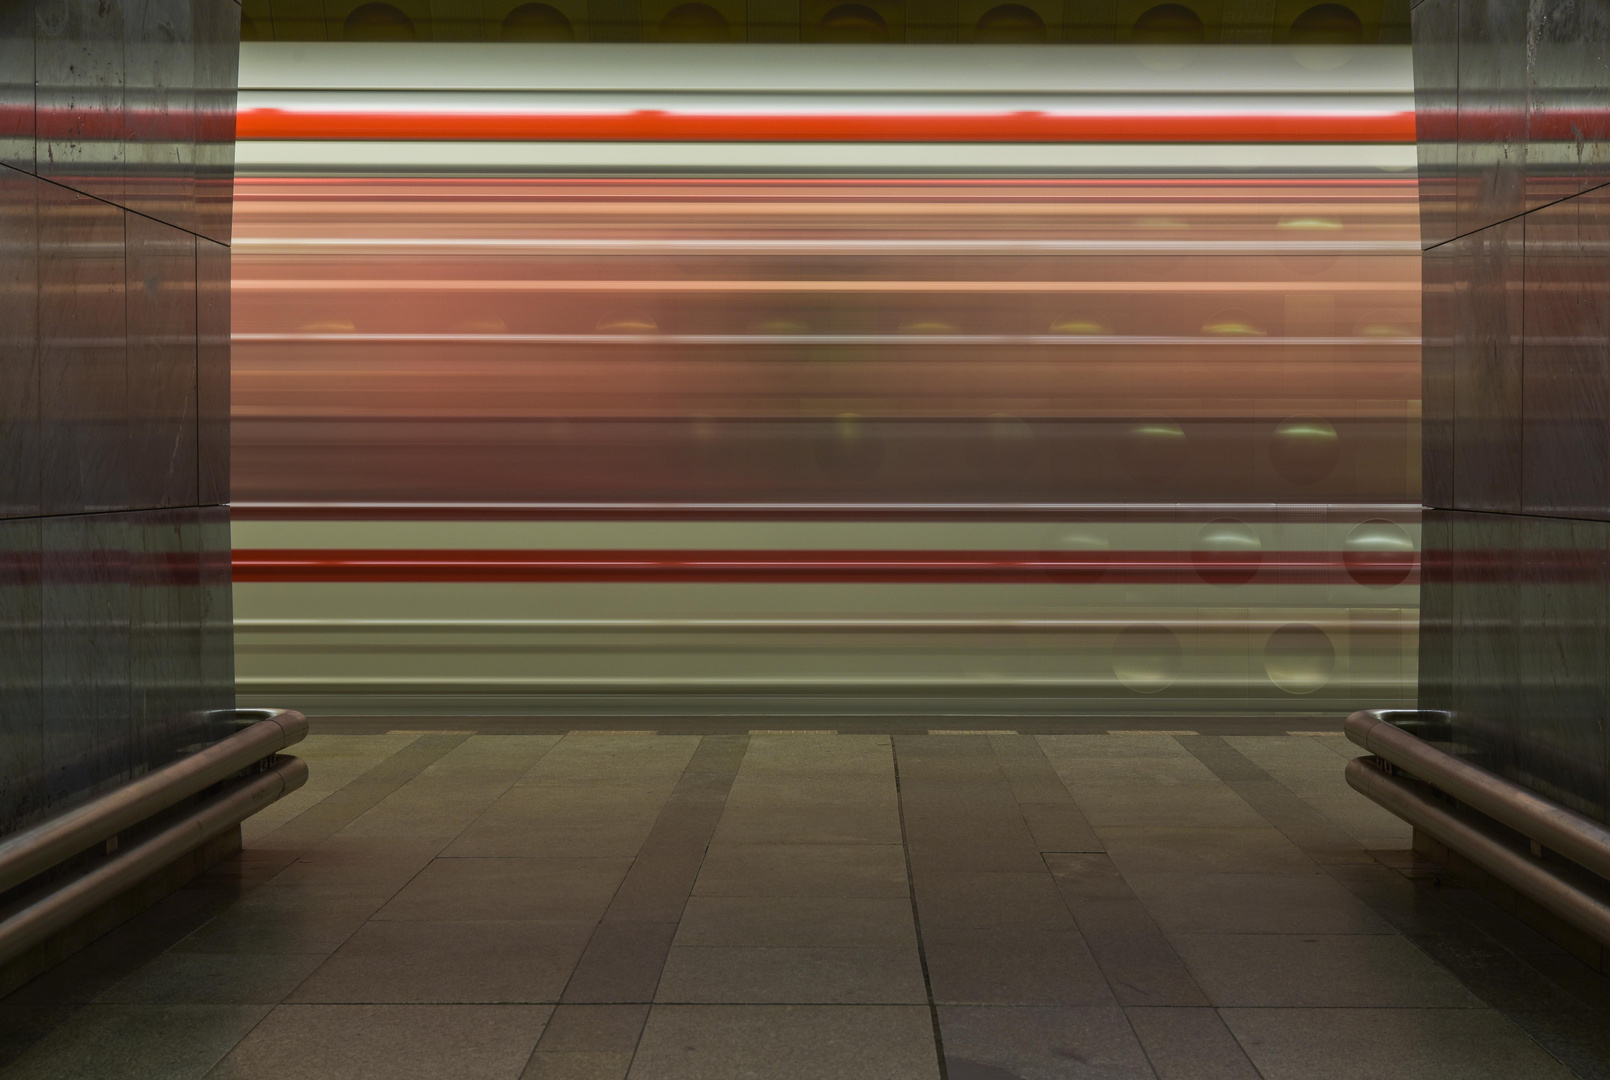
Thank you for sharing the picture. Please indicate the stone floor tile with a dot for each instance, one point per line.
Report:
(742, 975)
(577, 1065)
(802, 870)
(1058, 827)
(442, 962)
(137, 1042)
(1190, 1044)
(472, 889)
(1297, 971)
(1040, 1043)
(1312, 903)
(276, 919)
(387, 1042)
(1366, 1044)
(594, 1029)
(798, 921)
(1012, 967)
(622, 963)
(787, 1042)
(993, 899)
(1137, 803)
(523, 839)
(192, 978)
(1196, 849)
(810, 823)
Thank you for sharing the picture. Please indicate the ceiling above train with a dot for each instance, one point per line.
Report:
(1086, 22)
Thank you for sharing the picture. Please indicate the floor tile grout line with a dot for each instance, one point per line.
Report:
(916, 917)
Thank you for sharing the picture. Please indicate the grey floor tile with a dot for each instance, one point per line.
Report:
(472, 889)
(763, 975)
(802, 870)
(1056, 827)
(797, 920)
(1031, 1043)
(1012, 967)
(1190, 1044)
(138, 1042)
(991, 899)
(577, 1065)
(177, 978)
(786, 1042)
(622, 963)
(1136, 803)
(511, 839)
(387, 1042)
(594, 1029)
(1204, 850)
(1312, 903)
(1296, 971)
(1365, 1044)
(810, 822)
(277, 918)
(442, 962)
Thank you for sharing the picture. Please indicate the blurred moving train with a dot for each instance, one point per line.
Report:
(685, 379)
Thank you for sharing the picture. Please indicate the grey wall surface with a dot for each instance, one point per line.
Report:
(1511, 99)
(116, 175)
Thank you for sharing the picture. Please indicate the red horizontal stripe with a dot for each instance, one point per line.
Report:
(653, 125)
(807, 567)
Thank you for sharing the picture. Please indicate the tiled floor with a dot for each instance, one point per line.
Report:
(657, 907)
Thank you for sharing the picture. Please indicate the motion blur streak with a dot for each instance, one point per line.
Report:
(548, 421)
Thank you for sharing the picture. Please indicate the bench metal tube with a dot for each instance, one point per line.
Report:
(1580, 839)
(61, 908)
(42, 846)
(1516, 869)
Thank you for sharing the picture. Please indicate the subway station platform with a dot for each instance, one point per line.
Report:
(975, 905)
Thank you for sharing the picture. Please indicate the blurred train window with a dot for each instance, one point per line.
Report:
(853, 24)
(1327, 24)
(1168, 24)
(688, 23)
(1010, 24)
(536, 22)
(378, 22)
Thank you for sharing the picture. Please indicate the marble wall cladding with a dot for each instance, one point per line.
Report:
(217, 612)
(1436, 610)
(1515, 581)
(217, 30)
(168, 695)
(1436, 88)
(159, 99)
(79, 87)
(85, 617)
(19, 341)
(21, 669)
(1558, 728)
(1566, 351)
(162, 353)
(116, 181)
(1492, 120)
(1437, 320)
(1488, 307)
(17, 84)
(1568, 98)
(83, 354)
(212, 371)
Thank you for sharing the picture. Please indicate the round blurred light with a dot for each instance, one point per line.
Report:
(1010, 24)
(1155, 449)
(1168, 24)
(694, 23)
(1304, 449)
(927, 326)
(1227, 552)
(1327, 24)
(536, 22)
(1378, 553)
(1232, 323)
(1073, 554)
(634, 322)
(1147, 658)
(1299, 658)
(1079, 324)
(853, 24)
